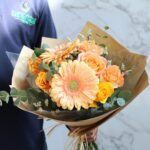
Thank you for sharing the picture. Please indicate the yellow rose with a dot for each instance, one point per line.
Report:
(34, 65)
(105, 90)
(42, 82)
(96, 62)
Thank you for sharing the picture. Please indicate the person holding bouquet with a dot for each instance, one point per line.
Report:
(22, 22)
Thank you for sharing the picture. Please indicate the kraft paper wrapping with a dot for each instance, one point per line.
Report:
(136, 81)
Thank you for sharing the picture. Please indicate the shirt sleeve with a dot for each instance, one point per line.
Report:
(45, 25)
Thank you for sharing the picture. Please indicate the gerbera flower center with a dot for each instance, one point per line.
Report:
(73, 85)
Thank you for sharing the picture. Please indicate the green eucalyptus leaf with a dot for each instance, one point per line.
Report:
(113, 100)
(17, 101)
(14, 92)
(121, 102)
(54, 66)
(106, 27)
(22, 94)
(115, 94)
(4, 96)
(40, 99)
(49, 74)
(90, 146)
(44, 66)
(105, 36)
(123, 67)
(126, 94)
(18, 95)
(95, 146)
(107, 106)
(34, 57)
(35, 97)
(38, 51)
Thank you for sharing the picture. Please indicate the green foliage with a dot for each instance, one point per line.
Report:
(123, 67)
(4, 97)
(53, 67)
(35, 97)
(106, 27)
(87, 146)
(44, 66)
(121, 102)
(105, 36)
(107, 106)
(73, 55)
(95, 146)
(50, 73)
(115, 94)
(34, 57)
(118, 98)
(105, 49)
(19, 95)
(38, 51)
(125, 94)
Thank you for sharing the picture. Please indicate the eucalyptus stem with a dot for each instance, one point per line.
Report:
(89, 146)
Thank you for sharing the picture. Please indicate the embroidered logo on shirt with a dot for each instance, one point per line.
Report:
(23, 17)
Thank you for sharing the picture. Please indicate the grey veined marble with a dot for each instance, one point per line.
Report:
(129, 22)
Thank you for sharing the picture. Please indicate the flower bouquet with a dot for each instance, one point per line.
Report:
(80, 83)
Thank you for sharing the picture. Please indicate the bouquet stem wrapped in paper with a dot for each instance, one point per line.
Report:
(83, 112)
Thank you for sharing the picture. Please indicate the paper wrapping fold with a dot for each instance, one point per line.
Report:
(137, 81)
(20, 73)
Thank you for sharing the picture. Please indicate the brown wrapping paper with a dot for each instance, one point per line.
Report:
(136, 81)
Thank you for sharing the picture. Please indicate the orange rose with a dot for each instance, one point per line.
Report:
(113, 74)
(90, 46)
(42, 82)
(34, 65)
(96, 62)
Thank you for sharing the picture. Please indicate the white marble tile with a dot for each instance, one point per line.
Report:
(129, 22)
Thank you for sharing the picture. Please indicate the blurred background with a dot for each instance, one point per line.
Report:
(129, 22)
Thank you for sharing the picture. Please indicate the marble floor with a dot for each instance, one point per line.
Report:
(129, 22)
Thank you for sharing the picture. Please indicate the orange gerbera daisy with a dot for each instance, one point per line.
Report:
(90, 46)
(59, 53)
(76, 85)
(47, 57)
(63, 54)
